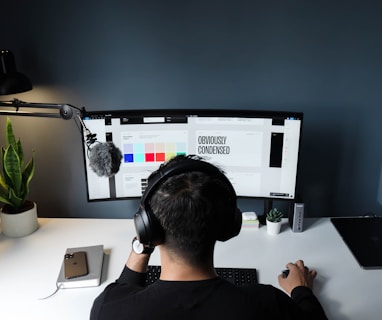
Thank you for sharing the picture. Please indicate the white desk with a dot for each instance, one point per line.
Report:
(29, 266)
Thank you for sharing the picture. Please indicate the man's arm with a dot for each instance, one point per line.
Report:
(134, 274)
(135, 269)
(138, 262)
(299, 284)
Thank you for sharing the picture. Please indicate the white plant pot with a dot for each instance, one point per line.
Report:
(273, 227)
(19, 224)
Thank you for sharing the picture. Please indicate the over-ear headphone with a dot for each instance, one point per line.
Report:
(148, 228)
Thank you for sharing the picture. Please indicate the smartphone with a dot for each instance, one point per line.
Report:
(75, 265)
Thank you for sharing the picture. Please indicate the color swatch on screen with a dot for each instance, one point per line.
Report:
(152, 152)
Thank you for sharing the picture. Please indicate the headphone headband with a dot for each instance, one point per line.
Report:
(188, 165)
(149, 230)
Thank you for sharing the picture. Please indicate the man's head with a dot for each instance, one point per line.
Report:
(189, 204)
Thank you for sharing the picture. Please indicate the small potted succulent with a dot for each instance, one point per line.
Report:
(273, 218)
(18, 215)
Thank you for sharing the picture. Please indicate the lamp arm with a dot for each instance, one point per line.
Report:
(66, 111)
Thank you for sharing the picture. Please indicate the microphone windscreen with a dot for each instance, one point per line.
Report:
(105, 159)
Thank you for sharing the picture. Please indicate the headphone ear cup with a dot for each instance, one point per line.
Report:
(141, 226)
(231, 226)
(148, 229)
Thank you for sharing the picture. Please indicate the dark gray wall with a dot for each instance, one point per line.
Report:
(319, 57)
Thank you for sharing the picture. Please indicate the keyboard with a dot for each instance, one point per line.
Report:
(237, 276)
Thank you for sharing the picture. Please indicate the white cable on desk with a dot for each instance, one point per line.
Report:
(58, 287)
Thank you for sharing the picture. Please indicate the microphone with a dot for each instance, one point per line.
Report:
(105, 159)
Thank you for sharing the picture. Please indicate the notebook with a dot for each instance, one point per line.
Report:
(363, 236)
(94, 255)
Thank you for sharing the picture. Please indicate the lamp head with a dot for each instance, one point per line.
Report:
(11, 81)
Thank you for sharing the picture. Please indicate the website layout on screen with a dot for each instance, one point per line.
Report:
(258, 155)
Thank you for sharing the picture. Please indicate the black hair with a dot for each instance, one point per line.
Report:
(189, 207)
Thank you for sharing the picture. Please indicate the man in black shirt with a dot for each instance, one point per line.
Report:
(188, 205)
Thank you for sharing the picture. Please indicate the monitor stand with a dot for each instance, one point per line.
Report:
(268, 205)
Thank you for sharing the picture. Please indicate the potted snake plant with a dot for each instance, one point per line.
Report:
(273, 218)
(18, 215)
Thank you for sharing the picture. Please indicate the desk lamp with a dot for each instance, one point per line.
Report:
(104, 158)
(11, 81)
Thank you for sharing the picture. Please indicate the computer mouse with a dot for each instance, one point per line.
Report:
(285, 273)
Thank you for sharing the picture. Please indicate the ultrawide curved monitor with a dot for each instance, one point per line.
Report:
(258, 150)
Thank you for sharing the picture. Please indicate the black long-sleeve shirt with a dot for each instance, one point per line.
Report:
(129, 298)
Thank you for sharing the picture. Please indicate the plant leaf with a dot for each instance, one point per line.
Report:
(28, 175)
(5, 200)
(3, 184)
(14, 181)
(16, 201)
(12, 168)
(9, 136)
(20, 152)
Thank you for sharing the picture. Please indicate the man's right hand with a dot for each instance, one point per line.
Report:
(299, 275)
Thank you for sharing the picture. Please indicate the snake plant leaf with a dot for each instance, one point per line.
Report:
(15, 178)
(20, 152)
(11, 140)
(4, 197)
(5, 200)
(3, 185)
(28, 174)
(9, 135)
(15, 199)
(12, 168)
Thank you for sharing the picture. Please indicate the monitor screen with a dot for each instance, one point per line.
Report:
(257, 150)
